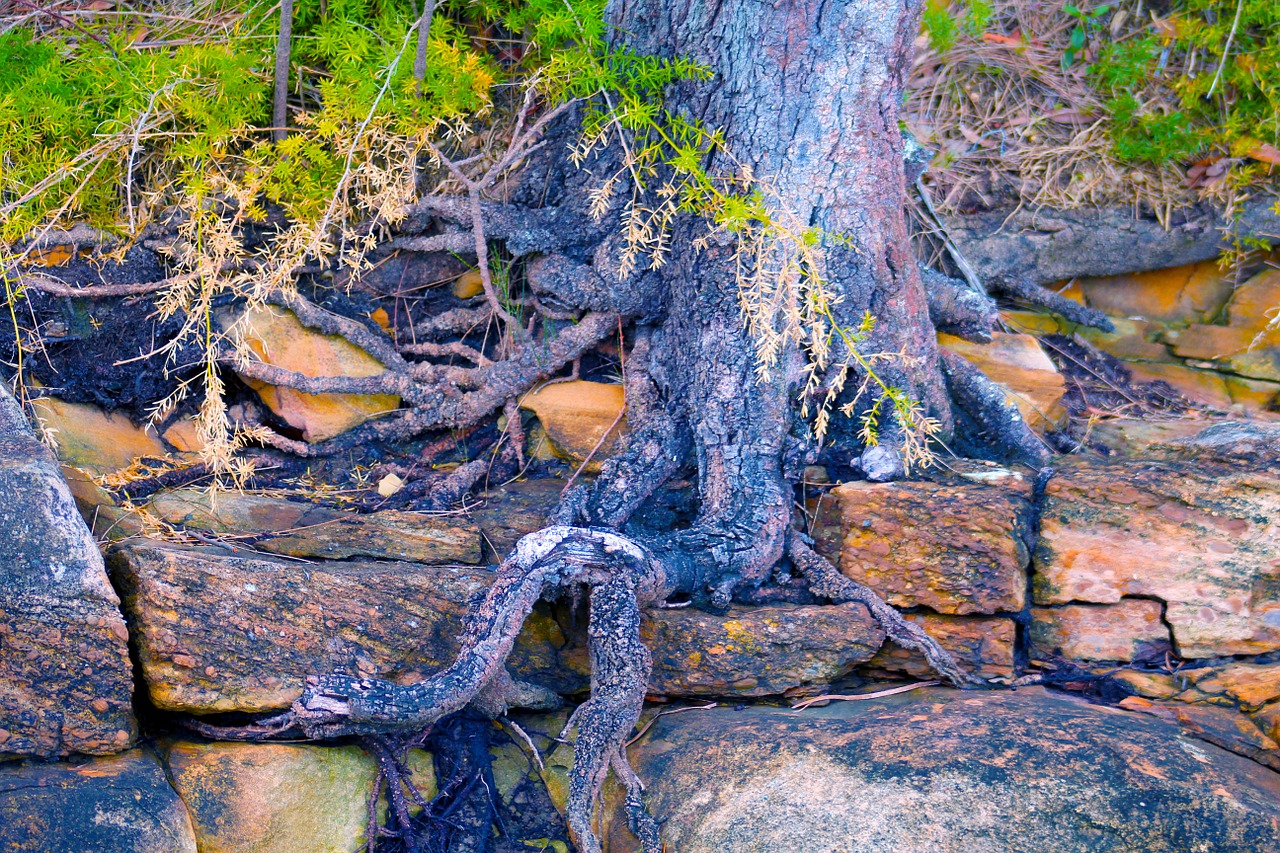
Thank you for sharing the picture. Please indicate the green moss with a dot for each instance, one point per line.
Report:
(943, 23)
(1221, 74)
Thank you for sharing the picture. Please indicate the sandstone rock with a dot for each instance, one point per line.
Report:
(1267, 719)
(468, 285)
(217, 633)
(1209, 387)
(983, 645)
(576, 415)
(1020, 366)
(1036, 322)
(89, 438)
(1150, 685)
(1132, 339)
(517, 509)
(1245, 351)
(279, 798)
(65, 678)
(305, 530)
(1110, 632)
(278, 338)
(955, 547)
(757, 651)
(937, 769)
(1212, 342)
(121, 804)
(1206, 387)
(1202, 536)
(1134, 436)
(1252, 685)
(1243, 444)
(183, 437)
(1195, 293)
(1223, 727)
(1254, 303)
(1259, 398)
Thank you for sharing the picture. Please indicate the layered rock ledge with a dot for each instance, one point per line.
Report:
(66, 682)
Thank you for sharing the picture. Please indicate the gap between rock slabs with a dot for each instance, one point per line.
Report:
(622, 574)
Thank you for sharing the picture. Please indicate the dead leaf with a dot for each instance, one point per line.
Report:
(1265, 153)
(389, 485)
(1065, 116)
(1002, 40)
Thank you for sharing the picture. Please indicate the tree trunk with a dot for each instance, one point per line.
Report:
(807, 93)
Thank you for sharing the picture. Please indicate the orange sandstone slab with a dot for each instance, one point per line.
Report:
(954, 547)
(279, 338)
(1203, 536)
(1097, 632)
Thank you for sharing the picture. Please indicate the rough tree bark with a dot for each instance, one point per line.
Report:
(807, 93)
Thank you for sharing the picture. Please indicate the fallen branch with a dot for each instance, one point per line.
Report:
(857, 697)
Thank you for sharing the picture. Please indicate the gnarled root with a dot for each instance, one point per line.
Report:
(620, 666)
(991, 419)
(825, 580)
(622, 576)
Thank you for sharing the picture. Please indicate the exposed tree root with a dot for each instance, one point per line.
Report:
(825, 580)
(1032, 294)
(990, 420)
(623, 574)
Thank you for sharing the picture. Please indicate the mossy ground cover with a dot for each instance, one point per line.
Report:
(1157, 105)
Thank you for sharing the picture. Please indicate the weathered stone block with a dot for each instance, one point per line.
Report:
(1251, 685)
(1202, 536)
(758, 651)
(306, 530)
(65, 678)
(1267, 719)
(955, 547)
(1225, 727)
(218, 633)
(1111, 632)
(120, 804)
(1246, 351)
(1194, 293)
(983, 645)
(514, 510)
(1133, 437)
(940, 769)
(279, 798)
(1209, 386)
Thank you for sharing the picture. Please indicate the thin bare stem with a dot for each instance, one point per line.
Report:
(284, 48)
(424, 34)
